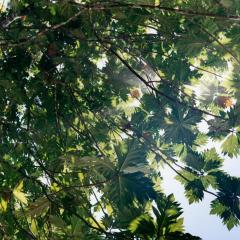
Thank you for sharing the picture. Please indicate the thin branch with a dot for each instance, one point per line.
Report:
(184, 12)
(45, 31)
(90, 185)
(53, 201)
(99, 202)
(219, 43)
(207, 71)
(158, 92)
(91, 136)
(165, 159)
(57, 120)
(119, 5)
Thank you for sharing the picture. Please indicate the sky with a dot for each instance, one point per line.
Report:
(197, 219)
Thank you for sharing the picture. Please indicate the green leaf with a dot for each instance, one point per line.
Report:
(212, 160)
(230, 145)
(57, 221)
(181, 125)
(19, 195)
(143, 225)
(194, 191)
(38, 208)
(127, 187)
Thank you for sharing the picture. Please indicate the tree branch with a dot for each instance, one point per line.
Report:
(158, 92)
(184, 12)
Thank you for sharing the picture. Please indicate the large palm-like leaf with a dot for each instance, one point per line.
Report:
(131, 179)
(181, 125)
(164, 224)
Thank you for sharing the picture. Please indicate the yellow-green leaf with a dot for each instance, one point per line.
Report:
(3, 205)
(18, 194)
(34, 227)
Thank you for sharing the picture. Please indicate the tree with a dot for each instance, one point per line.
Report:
(96, 96)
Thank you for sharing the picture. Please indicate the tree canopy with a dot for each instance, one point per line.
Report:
(97, 96)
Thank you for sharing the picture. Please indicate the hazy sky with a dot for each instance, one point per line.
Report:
(198, 221)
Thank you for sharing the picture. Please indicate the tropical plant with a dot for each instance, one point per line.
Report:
(96, 96)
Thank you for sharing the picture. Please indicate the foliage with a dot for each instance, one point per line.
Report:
(96, 95)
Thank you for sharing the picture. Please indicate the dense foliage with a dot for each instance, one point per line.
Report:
(96, 96)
